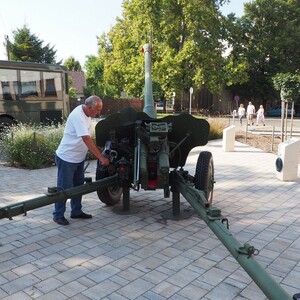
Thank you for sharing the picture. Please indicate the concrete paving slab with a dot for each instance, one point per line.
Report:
(144, 256)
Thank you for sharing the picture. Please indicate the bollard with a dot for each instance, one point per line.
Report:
(229, 138)
(287, 161)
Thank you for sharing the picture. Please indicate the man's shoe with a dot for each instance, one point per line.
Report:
(61, 221)
(82, 216)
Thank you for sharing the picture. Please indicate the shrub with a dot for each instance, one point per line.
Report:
(216, 128)
(31, 147)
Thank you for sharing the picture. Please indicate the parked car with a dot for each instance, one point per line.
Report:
(160, 103)
(276, 112)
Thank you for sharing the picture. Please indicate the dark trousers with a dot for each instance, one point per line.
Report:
(68, 175)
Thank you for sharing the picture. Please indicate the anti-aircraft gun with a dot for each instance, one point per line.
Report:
(149, 153)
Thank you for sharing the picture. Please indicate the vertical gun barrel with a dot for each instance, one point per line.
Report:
(149, 108)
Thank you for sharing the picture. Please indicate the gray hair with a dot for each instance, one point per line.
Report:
(92, 101)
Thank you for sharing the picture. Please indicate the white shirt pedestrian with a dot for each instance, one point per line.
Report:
(260, 116)
(241, 112)
(250, 113)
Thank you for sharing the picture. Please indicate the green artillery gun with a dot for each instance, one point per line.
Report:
(149, 153)
(144, 148)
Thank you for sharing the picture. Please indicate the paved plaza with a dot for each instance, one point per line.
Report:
(142, 255)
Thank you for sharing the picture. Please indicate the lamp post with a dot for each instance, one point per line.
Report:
(173, 101)
(191, 93)
(282, 96)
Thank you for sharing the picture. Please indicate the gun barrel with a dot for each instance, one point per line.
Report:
(59, 195)
(149, 108)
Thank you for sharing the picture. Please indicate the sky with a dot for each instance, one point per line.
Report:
(71, 26)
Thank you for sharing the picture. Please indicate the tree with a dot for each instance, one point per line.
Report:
(28, 47)
(94, 76)
(72, 90)
(99, 82)
(72, 64)
(289, 84)
(187, 47)
(268, 39)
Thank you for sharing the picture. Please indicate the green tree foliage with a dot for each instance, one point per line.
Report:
(289, 84)
(187, 48)
(72, 64)
(267, 38)
(72, 90)
(94, 76)
(28, 47)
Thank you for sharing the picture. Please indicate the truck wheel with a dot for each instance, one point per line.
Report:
(110, 195)
(6, 121)
(204, 175)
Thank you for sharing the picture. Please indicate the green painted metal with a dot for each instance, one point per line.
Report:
(149, 108)
(187, 131)
(55, 195)
(244, 254)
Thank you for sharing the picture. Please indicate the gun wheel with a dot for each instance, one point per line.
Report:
(110, 195)
(204, 175)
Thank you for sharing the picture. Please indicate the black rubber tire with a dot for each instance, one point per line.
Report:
(110, 195)
(204, 175)
(5, 122)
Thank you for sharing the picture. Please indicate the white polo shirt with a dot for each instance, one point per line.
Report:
(250, 109)
(72, 148)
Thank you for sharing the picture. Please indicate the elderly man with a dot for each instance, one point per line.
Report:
(71, 153)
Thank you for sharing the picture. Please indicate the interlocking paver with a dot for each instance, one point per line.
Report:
(49, 285)
(192, 292)
(16, 296)
(101, 290)
(18, 284)
(135, 288)
(72, 289)
(145, 255)
(223, 291)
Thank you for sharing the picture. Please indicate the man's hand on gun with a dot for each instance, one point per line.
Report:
(104, 161)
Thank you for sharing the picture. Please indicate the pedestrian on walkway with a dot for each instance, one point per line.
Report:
(241, 113)
(250, 113)
(71, 153)
(260, 116)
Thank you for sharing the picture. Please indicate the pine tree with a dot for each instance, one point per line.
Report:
(28, 47)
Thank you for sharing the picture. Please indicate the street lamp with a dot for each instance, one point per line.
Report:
(191, 93)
